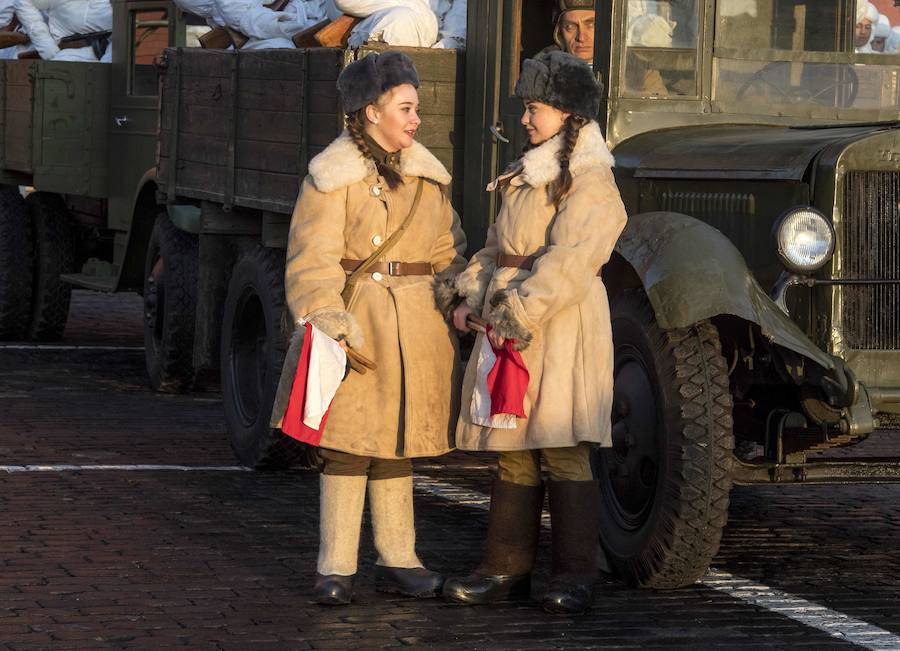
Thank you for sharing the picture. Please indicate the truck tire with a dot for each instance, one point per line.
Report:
(170, 304)
(252, 354)
(16, 265)
(54, 255)
(665, 483)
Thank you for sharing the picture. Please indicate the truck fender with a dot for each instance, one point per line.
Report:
(143, 215)
(691, 272)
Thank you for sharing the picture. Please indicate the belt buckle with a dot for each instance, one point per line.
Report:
(393, 268)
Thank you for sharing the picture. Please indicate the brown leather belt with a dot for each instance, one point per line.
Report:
(392, 268)
(517, 261)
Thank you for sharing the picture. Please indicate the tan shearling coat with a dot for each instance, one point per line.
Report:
(408, 406)
(560, 302)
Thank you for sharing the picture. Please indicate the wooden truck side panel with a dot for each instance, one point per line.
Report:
(54, 125)
(242, 128)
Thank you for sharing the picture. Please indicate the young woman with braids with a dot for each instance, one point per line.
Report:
(537, 283)
(359, 191)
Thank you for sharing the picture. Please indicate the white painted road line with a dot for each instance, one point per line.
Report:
(72, 347)
(67, 467)
(833, 623)
(811, 614)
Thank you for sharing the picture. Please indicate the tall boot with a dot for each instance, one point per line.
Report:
(398, 568)
(574, 512)
(341, 500)
(510, 549)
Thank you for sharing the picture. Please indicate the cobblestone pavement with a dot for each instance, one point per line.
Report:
(223, 558)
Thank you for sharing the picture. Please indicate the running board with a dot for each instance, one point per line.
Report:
(89, 281)
(845, 471)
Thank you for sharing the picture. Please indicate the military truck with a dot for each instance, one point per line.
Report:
(754, 293)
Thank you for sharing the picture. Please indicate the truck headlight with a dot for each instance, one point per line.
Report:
(805, 240)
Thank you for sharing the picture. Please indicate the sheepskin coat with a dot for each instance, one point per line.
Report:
(559, 309)
(408, 406)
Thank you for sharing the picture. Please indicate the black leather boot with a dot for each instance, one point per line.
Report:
(576, 531)
(333, 589)
(512, 537)
(408, 581)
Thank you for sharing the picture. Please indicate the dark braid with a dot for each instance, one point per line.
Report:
(560, 186)
(356, 129)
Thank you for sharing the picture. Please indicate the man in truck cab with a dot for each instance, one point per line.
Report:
(73, 30)
(574, 31)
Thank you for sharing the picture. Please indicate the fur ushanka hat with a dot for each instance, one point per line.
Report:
(563, 81)
(364, 81)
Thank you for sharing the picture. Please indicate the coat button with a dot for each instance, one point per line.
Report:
(377, 240)
(377, 276)
(375, 190)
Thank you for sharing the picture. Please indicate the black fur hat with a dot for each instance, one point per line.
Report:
(364, 81)
(561, 80)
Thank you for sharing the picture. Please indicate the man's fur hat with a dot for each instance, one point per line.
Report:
(364, 81)
(561, 80)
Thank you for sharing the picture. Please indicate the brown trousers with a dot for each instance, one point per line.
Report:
(344, 463)
(561, 464)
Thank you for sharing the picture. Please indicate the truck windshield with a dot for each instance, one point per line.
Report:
(804, 58)
(661, 53)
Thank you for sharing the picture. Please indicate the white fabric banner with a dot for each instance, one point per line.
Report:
(327, 365)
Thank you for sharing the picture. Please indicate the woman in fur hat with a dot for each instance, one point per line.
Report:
(536, 282)
(359, 191)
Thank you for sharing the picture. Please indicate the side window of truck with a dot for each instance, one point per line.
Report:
(661, 48)
(149, 37)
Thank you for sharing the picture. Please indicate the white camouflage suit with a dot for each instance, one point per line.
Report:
(265, 28)
(395, 22)
(64, 18)
(452, 16)
(7, 11)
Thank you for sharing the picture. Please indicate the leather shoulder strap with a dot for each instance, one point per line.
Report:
(386, 246)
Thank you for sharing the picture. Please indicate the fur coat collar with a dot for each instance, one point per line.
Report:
(342, 164)
(540, 166)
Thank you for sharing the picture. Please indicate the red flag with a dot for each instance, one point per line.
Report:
(292, 424)
(508, 381)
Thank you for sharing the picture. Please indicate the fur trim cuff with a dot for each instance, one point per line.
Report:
(446, 296)
(505, 319)
(339, 325)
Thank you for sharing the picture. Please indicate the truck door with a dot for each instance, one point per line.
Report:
(501, 34)
(142, 30)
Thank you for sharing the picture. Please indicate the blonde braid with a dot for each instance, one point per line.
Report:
(355, 128)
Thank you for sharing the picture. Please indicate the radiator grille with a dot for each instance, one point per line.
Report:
(870, 248)
(708, 204)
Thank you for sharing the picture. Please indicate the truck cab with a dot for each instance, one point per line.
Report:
(755, 289)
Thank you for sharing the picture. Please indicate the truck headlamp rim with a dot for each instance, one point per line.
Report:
(804, 239)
